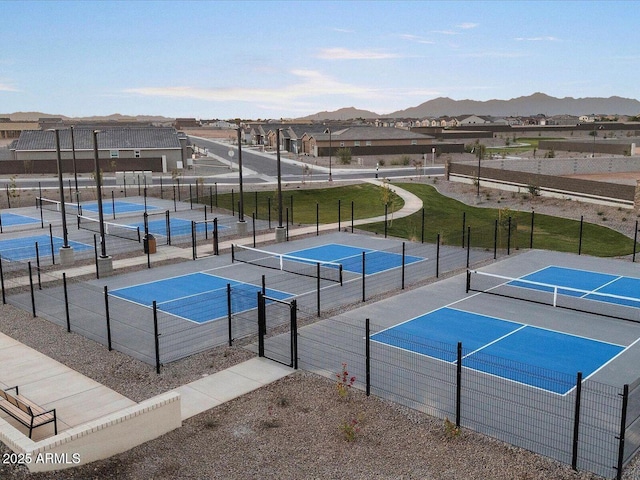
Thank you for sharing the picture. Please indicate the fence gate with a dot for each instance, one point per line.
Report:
(277, 330)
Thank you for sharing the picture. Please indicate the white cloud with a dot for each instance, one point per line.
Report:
(467, 25)
(346, 54)
(7, 88)
(416, 38)
(493, 54)
(446, 32)
(342, 30)
(312, 84)
(537, 39)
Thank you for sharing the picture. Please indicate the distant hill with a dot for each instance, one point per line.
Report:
(347, 113)
(116, 117)
(538, 103)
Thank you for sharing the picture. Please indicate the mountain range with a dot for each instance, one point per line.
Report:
(537, 103)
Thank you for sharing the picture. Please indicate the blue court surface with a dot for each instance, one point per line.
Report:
(10, 219)
(198, 297)
(119, 206)
(177, 226)
(524, 350)
(351, 257)
(24, 248)
(602, 287)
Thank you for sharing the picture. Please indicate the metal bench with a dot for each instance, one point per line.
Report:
(25, 411)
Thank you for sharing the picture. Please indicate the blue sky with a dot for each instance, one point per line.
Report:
(271, 59)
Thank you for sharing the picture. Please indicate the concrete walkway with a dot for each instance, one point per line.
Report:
(78, 399)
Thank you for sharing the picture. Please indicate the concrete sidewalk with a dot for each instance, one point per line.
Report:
(79, 399)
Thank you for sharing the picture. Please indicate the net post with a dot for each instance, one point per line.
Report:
(364, 264)
(156, 336)
(167, 220)
(555, 296)
(468, 286)
(318, 287)
(229, 314)
(33, 298)
(367, 349)
(233, 253)
(264, 284)
(66, 301)
(194, 252)
(458, 384)
(293, 310)
(437, 255)
(108, 317)
(113, 205)
(53, 256)
(340, 273)
(576, 422)
(623, 426)
(281, 259)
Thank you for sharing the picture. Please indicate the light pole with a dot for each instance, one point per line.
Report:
(75, 170)
(280, 231)
(330, 179)
(66, 252)
(103, 245)
(242, 226)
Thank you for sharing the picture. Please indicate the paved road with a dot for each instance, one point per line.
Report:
(221, 168)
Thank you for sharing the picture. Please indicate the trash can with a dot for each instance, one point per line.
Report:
(149, 243)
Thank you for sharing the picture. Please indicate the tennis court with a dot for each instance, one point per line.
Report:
(24, 248)
(587, 284)
(350, 257)
(534, 347)
(177, 226)
(198, 297)
(10, 219)
(117, 207)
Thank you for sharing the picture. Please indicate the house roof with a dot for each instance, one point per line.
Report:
(371, 133)
(108, 138)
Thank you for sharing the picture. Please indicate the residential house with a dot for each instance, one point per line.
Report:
(159, 149)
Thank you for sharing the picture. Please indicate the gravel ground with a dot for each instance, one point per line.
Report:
(295, 427)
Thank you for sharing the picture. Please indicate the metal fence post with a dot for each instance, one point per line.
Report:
(66, 301)
(580, 236)
(156, 336)
(367, 349)
(576, 421)
(229, 313)
(458, 384)
(106, 311)
(623, 427)
(294, 333)
(33, 298)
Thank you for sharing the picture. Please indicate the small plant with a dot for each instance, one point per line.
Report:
(344, 383)
(534, 190)
(350, 429)
(381, 162)
(344, 154)
(451, 430)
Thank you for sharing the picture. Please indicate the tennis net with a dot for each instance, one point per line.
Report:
(589, 301)
(129, 232)
(308, 267)
(56, 206)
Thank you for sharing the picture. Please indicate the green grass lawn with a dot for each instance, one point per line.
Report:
(442, 215)
(368, 201)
